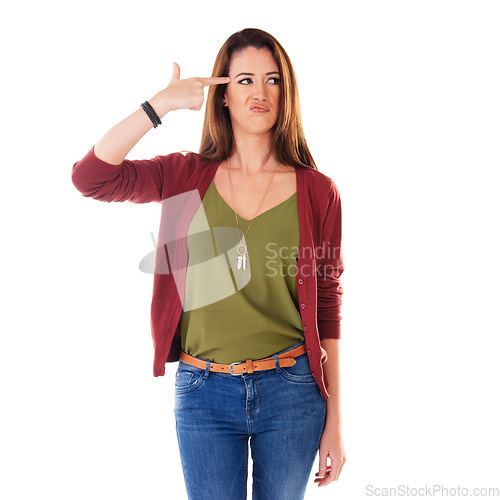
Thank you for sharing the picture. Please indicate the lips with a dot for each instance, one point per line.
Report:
(258, 108)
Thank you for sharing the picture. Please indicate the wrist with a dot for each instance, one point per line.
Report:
(160, 104)
(333, 413)
(333, 425)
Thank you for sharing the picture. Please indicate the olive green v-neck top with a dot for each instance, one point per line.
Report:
(233, 314)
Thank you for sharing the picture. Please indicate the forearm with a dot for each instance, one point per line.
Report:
(331, 370)
(117, 142)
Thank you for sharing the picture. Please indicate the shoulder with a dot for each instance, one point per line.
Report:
(183, 156)
(322, 184)
(181, 172)
(196, 159)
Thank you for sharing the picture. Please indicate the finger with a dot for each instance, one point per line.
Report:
(330, 476)
(321, 478)
(334, 474)
(215, 80)
(326, 481)
(176, 71)
(323, 465)
(328, 469)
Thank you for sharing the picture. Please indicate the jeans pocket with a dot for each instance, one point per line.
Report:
(188, 378)
(300, 372)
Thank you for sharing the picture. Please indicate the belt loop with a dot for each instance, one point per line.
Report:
(207, 370)
(276, 362)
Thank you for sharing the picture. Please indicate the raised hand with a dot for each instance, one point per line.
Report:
(188, 93)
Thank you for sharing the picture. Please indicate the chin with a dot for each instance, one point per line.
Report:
(254, 127)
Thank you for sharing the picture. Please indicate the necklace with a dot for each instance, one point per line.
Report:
(242, 254)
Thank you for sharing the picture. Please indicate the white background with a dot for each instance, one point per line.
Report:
(400, 107)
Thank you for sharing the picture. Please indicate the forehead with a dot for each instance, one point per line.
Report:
(252, 60)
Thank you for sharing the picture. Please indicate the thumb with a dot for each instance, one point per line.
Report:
(176, 71)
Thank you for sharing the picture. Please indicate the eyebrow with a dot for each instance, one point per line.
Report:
(252, 74)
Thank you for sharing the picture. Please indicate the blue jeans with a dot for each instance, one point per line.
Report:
(280, 410)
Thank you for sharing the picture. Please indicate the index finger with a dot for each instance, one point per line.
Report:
(215, 80)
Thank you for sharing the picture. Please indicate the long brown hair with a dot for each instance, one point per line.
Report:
(290, 146)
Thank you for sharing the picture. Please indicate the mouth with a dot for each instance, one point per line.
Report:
(259, 109)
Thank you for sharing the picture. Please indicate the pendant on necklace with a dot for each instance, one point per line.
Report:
(242, 257)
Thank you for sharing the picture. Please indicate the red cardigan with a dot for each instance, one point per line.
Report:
(179, 182)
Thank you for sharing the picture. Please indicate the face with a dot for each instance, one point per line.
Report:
(254, 81)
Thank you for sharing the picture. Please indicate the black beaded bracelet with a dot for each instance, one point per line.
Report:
(148, 112)
(151, 113)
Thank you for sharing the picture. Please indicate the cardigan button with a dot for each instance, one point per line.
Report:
(309, 351)
(302, 306)
(301, 281)
(305, 328)
(314, 374)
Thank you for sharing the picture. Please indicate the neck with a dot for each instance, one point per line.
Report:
(252, 155)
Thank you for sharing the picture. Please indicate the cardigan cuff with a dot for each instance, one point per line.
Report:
(329, 329)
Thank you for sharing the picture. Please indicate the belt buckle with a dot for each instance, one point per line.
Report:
(231, 367)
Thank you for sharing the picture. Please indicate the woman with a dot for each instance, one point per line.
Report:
(254, 319)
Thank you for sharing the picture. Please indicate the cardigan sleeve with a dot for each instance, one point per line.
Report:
(330, 266)
(137, 181)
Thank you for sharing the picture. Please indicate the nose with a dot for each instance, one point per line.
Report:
(260, 91)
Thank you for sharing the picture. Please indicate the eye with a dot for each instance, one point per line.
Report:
(275, 78)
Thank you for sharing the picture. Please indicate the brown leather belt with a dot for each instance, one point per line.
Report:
(248, 366)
